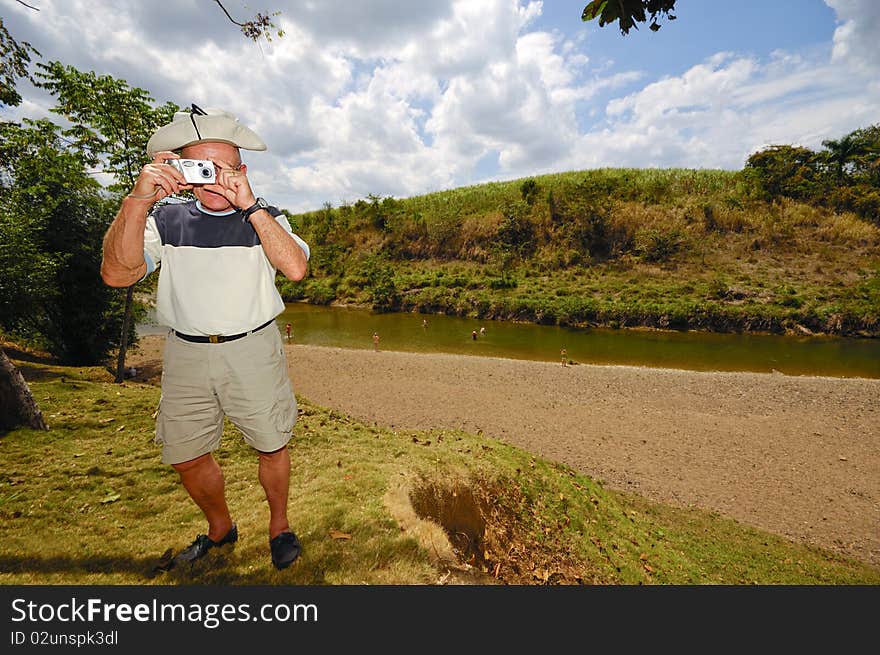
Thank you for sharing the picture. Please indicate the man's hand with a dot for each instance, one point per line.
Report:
(234, 184)
(158, 179)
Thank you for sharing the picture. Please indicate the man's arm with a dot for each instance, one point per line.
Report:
(123, 261)
(283, 252)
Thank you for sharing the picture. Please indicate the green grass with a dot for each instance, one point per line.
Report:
(88, 502)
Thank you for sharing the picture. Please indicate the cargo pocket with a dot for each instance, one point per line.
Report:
(159, 430)
(285, 410)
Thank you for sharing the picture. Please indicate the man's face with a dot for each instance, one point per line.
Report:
(210, 195)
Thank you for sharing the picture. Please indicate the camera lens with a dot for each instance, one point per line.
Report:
(206, 173)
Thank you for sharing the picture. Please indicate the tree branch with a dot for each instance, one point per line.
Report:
(225, 12)
(254, 29)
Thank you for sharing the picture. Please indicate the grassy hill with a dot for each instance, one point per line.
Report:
(666, 248)
(372, 506)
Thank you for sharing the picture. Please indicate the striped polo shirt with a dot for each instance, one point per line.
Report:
(214, 277)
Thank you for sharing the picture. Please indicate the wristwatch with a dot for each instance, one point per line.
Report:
(257, 206)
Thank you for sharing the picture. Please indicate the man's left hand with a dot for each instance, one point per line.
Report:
(234, 184)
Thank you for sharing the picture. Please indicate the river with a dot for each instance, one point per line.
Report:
(701, 351)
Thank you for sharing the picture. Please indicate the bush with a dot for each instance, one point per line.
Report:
(319, 292)
(502, 283)
(658, 244)
(529, 191)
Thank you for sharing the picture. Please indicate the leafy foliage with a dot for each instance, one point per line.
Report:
(14, 60)
(629, 12)
(530, 190)
(111, 124)
(657, 244)
(53, 215)
(783, 170)
(259, 26)
(111, 121)
(380, 279)
(845, 176)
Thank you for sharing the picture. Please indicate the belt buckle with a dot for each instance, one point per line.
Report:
(214, 338)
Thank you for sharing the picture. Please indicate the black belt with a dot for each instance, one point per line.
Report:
(219, 338)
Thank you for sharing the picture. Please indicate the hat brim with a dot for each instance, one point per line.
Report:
(223, 129)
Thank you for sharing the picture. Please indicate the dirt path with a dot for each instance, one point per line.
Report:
(798, 456)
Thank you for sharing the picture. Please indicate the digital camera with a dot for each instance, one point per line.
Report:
(195, 171)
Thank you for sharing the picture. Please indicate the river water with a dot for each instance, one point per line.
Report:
(701, 351)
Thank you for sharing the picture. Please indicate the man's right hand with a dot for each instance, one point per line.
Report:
(158, 180)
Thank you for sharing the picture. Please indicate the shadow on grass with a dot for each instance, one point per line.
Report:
(36, 372)
(143, 566)
(218, 568)
(215, 569)
(23, 355)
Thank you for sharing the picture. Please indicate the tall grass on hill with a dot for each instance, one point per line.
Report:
(564, 248)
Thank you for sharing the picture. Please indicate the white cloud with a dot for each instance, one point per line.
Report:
(720, 111)
(856, 39)
(399, 98)
(472, 85)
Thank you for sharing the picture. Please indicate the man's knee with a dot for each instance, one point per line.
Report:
(188, 465)
(273, 455)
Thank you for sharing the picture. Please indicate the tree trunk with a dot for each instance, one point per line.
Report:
(123, 343)
(17, 405)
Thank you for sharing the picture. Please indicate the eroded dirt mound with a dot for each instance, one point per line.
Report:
(478, 531)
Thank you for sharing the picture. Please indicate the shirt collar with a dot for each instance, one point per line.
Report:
(209, 212)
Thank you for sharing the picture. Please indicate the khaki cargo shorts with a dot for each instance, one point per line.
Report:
(245, 380)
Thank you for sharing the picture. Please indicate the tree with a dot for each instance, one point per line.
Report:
(858, 152)
(783, 170)
(841, 153)
(17, 404)
(629, 12)
(111, 124)
(514, 239)
(27, 282)
(53, 216)
(14, 60)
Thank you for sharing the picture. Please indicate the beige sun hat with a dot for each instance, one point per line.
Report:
(202, 125)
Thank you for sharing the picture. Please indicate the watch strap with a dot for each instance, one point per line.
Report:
(259, 204)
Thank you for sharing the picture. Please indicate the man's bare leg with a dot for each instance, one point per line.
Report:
(203, 480)
(275, 478)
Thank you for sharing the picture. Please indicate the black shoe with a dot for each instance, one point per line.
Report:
(285, 549)
(202, 544)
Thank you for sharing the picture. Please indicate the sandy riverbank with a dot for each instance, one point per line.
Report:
(798, 456)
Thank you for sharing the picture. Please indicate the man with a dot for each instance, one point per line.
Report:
(217, 256)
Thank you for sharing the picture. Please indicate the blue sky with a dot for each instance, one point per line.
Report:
(702, 28)
(401, 98)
